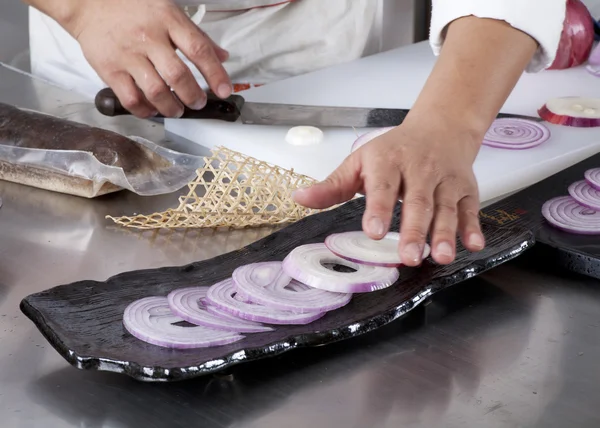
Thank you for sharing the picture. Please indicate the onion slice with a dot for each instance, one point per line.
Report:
(365, 138)
(359, 248)
(516, 134)
(307, 264)
(267, 284)
(572, 111)
(150, 319)
(223, 296)
(592, 176)
(304, 136)
(187, 303)
(585, 194)
(566, 214)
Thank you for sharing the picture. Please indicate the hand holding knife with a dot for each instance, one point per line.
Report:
(235, 107)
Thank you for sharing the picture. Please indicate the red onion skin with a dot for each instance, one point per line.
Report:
(577, 37)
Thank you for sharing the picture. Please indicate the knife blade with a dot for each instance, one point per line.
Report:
(251, 113)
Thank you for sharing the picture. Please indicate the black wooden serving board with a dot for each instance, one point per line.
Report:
(577, 253)
(83, 321)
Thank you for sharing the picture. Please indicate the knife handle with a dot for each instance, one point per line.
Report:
(228, 109)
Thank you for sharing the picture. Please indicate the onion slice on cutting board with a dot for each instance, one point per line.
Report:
(516, 134)
(578, 112)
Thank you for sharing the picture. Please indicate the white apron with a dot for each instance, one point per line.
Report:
(267, 40)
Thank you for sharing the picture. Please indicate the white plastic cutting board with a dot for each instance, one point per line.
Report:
(394, 79)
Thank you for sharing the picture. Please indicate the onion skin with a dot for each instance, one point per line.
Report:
(577, 37)
(577, 122)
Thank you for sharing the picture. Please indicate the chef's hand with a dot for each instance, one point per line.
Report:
(431, 169)
(132, 43)
(428, 160)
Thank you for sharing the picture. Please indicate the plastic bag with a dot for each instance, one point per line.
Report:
(45, 151)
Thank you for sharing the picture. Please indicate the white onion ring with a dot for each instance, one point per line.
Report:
(267, 284)
(150, 319)
(592, 176)
(223, 296)
(566, 214)
(516, 134)
(304, 264)
(357, 247)
(187, 303)
(585, 194)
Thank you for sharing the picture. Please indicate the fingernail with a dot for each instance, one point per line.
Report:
(299, 192)
(444, 249)
(475, 240)
(200, 104)
(413, 253)
(179, 114)
(376, 226)
(224, 90)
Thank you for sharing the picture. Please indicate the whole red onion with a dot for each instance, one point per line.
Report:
(577, 37)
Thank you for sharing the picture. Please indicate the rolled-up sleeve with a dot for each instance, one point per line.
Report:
(541, 19)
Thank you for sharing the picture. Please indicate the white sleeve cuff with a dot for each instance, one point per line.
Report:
(544, 22)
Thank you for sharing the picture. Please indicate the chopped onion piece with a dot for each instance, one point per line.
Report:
(307, 264)
(188, 304)
(359, 248)
(572, 111)
(150, 319)
(304, 136)
(516, 134)
(267, 284)
(585, 194)
(365, 138)
(592, 176)
(566, 214)
(223, 295)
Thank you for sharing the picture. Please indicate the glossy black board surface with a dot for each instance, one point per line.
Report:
(83, 320)
(577, 253)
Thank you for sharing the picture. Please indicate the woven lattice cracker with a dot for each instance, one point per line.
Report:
(232, 190)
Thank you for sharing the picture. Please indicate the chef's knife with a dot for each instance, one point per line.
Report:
(235, 107)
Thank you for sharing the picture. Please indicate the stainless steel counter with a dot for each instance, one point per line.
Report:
(517, 347)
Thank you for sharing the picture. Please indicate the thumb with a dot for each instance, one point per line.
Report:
(340, 186)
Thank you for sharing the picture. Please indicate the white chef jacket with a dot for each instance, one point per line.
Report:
(273, 40)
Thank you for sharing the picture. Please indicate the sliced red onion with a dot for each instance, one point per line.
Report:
(150, 319)
(307, 264)
(187, 303)
(572, 111)
(365, 138)
(223, 296)
(267, 284)
(359, 248)
(592, 176)
(585, 194)
(516, 134)
(566, 214)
